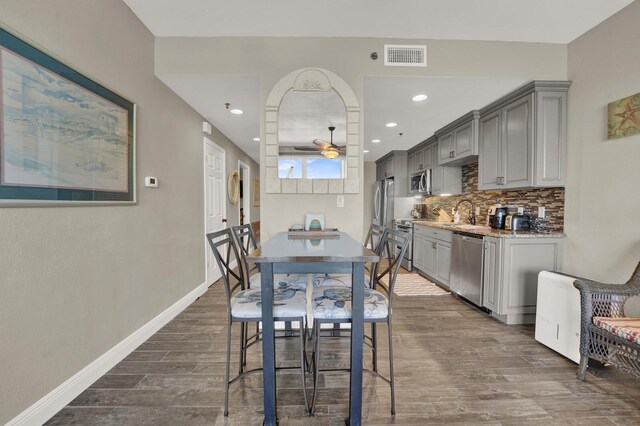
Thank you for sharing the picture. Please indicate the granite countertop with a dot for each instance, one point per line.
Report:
(485, 230)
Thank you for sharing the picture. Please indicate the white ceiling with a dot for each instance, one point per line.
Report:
(385, 98)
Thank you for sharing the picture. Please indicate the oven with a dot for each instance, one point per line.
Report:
(406, 225)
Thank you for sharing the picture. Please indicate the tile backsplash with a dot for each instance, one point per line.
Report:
(552, 199)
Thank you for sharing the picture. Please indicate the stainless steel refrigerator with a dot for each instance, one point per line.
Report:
(383, 203)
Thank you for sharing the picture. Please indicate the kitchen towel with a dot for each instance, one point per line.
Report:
(415, 285)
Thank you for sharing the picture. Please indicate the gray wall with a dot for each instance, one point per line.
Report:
(75, 281)
(603, 191)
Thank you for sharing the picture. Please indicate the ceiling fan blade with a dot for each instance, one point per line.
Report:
(308, 148)
(322, 144)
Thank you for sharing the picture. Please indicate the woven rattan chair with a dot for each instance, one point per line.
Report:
(606, 333)
(244, 306)
(333, 305)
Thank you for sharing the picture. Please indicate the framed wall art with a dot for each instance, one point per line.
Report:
(624, 117)
(64, 139)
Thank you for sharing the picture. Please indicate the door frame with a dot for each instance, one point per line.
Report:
(246, 192)
(206, 141)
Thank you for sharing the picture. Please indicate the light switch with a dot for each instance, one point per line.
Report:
(541, 212)
(340, 202)
(520, 210)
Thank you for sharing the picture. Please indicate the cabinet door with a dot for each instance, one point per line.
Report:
(443, 262)
(411, 163)
(489, 160)
(445, 148)
(550, 139)
(463, 142)
(417, 252)
(517, 145)
(437, 176)
(490, 275)
(427, 160)
(429, 257)
(389, 168)
(419, 164)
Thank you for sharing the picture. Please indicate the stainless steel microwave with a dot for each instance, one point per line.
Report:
(420, 183)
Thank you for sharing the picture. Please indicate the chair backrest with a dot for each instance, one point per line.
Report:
(246, 241)
(223, 245)
(393, 245)
(374, 236)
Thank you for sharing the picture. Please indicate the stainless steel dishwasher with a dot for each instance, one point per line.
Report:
(466, 267)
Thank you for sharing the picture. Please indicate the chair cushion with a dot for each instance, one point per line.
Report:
(289, 302)
(335, 303)
(281, 281)
(334, 280)
(627, 328)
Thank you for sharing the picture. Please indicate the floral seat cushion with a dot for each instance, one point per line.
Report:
(281, 281)
(334, 280)
(288, 302)
(335, 303)
(627, 328)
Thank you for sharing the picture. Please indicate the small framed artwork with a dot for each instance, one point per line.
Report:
(624, 117)
(256, 193)
(64, 139)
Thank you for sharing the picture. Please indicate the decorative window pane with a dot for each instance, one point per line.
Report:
(324, 168)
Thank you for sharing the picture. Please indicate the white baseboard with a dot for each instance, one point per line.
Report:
(58, 398)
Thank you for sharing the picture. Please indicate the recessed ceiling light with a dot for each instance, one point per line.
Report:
(366, 151)
(391, 124)
(419, 98)
(256, 139)
(236, 111)
(375, 140)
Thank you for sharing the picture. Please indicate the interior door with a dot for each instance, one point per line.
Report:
(214, 172)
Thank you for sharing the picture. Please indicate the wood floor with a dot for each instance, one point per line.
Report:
(454, 365)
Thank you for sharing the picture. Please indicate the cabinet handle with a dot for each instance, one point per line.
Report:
(434, 245)
(497, 181)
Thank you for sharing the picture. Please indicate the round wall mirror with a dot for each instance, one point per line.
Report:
(233, 187)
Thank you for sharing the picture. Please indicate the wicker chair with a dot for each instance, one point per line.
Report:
(606, 333)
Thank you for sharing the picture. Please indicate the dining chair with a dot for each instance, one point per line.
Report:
(246, 241)
(372, 241)
(333, 305)
(244, 306)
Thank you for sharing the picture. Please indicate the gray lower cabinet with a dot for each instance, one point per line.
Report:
(510, 275)
(432, 252)
(522, 138)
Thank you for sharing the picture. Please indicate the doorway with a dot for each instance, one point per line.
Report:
(244, 202)
(214, 202)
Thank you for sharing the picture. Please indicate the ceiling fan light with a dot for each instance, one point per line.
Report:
(330, 153)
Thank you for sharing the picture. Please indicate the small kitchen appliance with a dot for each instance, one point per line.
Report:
(420, 183)
(419, 211)
(517, 222)
(497, 216)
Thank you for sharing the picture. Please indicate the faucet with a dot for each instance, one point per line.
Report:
(472, 214)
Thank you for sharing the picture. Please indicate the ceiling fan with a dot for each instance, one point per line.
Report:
(328, 149)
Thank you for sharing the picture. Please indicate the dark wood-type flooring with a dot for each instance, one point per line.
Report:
(454, 365)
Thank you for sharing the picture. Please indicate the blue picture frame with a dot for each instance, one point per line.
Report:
(64, 139)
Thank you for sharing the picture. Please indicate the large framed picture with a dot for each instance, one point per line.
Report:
(64, 139)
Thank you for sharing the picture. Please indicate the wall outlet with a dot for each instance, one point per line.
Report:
(541, 212)
(520, 210)
(477, 211)
(340, 202)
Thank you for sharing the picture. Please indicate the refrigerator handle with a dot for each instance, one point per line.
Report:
(376, 204)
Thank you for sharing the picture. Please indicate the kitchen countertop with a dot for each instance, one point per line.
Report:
(485, 230)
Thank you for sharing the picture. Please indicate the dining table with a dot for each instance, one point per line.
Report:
(306, 253)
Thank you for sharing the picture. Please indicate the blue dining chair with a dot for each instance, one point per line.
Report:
(332, 305)
(244, 306)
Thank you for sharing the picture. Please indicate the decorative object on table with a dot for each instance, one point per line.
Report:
(415, 285)
(65, 139)
(256, 193)
(233, 187)
(624, 117)
(314, 222)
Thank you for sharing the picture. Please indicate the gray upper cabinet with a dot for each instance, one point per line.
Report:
(458, 141)
(419, 161)
(522, 138)
(394, 165)
(444, 179)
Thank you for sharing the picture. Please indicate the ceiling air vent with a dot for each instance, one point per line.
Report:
(397, 55)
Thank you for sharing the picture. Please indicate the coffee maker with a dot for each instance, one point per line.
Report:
(497, 216)
(419, 211)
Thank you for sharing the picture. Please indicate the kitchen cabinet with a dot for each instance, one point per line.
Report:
(394, 165)
(510, 275)
(433, 257)
(419, 160)
(458, 141)
(522, 138)
(444, 179)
